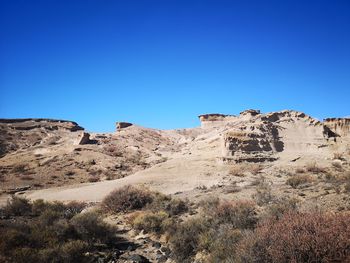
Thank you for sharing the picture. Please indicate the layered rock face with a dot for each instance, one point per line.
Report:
(23, 133)
(256, 137)
(340, 126)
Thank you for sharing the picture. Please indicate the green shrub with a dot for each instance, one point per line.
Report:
(126, 199)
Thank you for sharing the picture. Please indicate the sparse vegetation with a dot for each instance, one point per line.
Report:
(314, 168)
(298, 237)
(263, 195)
(19, 168)
(51, 232)
(296, 181)
(127, 199)
(150, 221)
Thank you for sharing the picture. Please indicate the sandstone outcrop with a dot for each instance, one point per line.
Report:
(339, 126)
(122, 125)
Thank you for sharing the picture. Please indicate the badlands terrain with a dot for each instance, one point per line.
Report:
(254, 156)
(58, 160)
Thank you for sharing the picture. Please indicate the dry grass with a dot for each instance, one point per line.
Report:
(300, 170)
(338, 156)
(241, 169)
(337, 164)
(314, 168)
(237, 170)
(299, 179)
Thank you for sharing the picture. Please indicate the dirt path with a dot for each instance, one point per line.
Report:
(176, 175)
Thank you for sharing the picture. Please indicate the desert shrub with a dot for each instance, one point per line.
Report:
(255, 168)
(24, 255)
(26, 177)
(299, 179)
(68, 210)
(314, 168)
(172, 206)
(281, 206)
(91, 228)
(126, 199)
(298, 237)
(221, 247)
(51, 232)
(338, 156)
(73, 251)
(73, 208)
(17, 206)
(237, 170)
(150, 221)
(185, 238)
(19, 168)
(209, 203)
(346, 179)
(300, 170)
(94, 179)
(239, 214)
(263, 195)
(11, 239)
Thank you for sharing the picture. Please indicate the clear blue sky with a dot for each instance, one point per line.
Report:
(161, 63)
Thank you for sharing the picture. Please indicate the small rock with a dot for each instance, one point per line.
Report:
(156, 244)
(138, 259)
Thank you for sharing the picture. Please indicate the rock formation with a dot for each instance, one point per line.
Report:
(122, 125)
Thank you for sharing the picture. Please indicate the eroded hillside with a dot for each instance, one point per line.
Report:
(227, 155)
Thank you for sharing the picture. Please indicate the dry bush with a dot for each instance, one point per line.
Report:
(255, 168)
(298, 180)
(150, 221)
(263, 195)
(26, 177)
(51, 232)
(232, 188)
(221, 244)
(185, 238)
(17, 206)
(126, 199)
(172, 206)
(239, 214)
(91, 228)
(2, 178)
(346, 179)
(237, 170)
(337, 164)
(94, 179)
(298, 237)
(19, 168)
(314, 168)
(300, 170)
(338, 156)
(281, 206)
